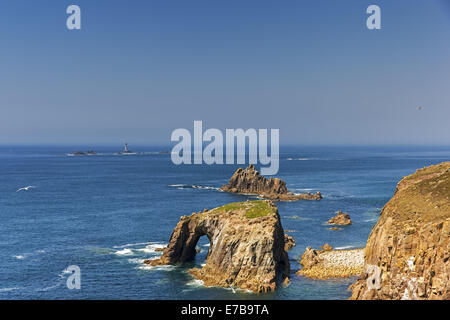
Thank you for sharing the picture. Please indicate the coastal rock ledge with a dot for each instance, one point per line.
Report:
(328, 263)
(246, 246)
(407, 253)
(250, 181)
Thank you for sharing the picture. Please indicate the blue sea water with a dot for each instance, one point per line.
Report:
(106, 213)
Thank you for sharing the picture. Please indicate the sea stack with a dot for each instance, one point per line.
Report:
(250, 181)
(408, 250)
(340, 219)
(247, 246)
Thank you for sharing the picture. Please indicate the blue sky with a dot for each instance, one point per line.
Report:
(140, 69)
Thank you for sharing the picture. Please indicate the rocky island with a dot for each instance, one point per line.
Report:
(250, 181)
(247, 246)
(340, 219)
(407, 253)
(87, 153)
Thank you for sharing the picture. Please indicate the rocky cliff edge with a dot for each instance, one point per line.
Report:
(407, 253)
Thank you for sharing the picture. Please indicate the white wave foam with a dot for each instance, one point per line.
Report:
(298, 218)
(136, 261)
(151, 248)
(132, 244)
(196, 283)
(204, 187)
(344, 247)
(299, 159)
(158, 268)
(28, 254)
(124, 252)
(8, 289)
(192, 186)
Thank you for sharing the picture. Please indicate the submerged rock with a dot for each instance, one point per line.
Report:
(408, 250)
(326, 247)
(247, 246)
(341, 219)
(250, 181)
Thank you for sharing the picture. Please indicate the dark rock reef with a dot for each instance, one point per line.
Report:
(250, 181)
(87, 153)
(407, 253)
(247, 246)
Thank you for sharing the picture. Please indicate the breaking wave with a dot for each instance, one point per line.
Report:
(193, 186)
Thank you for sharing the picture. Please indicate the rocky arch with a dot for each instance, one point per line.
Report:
(246, 246)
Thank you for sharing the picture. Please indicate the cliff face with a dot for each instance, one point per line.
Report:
(407, 253)
(246, 246)
(250, 181)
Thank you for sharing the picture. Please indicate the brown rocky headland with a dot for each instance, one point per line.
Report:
(407, 253)
(250, 181)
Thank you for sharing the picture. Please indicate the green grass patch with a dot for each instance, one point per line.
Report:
(259, 209)
(253, 209)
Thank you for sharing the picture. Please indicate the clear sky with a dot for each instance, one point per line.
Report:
(140, 69)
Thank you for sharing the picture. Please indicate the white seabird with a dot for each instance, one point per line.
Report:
(25, 188)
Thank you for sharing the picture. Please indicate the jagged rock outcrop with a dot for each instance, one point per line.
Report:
(289, 242)
(328, 263)
(246, 246)
(250, 181)
(408, 250)
(341, 219)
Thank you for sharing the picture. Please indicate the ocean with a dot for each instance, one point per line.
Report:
(106, 213)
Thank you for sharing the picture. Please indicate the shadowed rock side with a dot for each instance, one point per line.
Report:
(246, 246)
(250, 181)
(407, 254)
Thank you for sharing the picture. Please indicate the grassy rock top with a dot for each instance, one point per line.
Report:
(423, 196)
(253, 209)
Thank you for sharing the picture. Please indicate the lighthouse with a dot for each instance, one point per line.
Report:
(125, 150)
